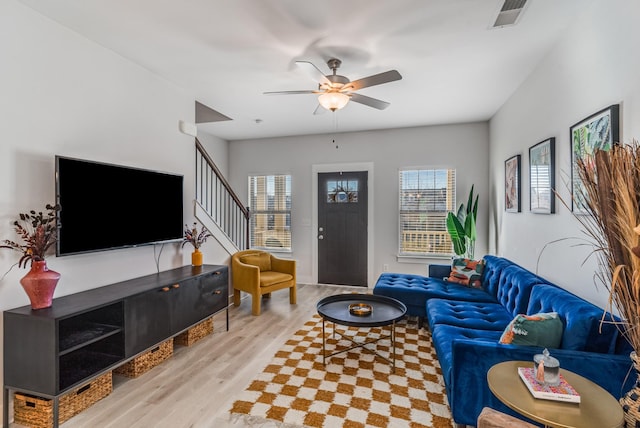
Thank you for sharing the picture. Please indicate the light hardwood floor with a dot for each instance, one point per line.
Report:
(197, 385)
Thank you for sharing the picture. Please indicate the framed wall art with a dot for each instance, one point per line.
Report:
(512, 184)
(599, 131)
(542, 177)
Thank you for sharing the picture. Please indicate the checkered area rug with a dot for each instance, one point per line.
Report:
(356, 389)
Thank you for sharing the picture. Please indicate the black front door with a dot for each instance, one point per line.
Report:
(342, 228)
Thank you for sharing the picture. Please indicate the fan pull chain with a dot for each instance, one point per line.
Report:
(335, 124)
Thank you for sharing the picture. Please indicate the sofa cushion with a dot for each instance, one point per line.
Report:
(409, 289)
(262, 260)
(478, 315)
(583, 330)
(466, 272)
(544, 330)
(443, 337)
(493, 269)
(438, 270)
(514, 289)
(268, 278)
(415, 290)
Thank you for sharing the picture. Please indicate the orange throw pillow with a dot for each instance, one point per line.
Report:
(467, 272)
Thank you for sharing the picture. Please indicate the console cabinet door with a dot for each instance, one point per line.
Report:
(147, 320)
(30, 359)
(153, 316)
(197, 298)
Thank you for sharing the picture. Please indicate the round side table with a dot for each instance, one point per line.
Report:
(597, 408)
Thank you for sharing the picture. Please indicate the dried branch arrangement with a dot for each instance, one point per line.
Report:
(612, 202)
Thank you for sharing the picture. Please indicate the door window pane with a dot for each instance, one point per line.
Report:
(342, 191)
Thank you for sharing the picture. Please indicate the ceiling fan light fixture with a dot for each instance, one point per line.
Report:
(333, 100)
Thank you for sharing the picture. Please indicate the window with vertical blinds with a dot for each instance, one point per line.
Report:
(270, 209)
(426, 197)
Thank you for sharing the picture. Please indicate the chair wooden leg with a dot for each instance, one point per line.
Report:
(255, 305)
(236, 297)
(292, 295)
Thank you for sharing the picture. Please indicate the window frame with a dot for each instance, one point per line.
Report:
(253, 212)
(450, 202)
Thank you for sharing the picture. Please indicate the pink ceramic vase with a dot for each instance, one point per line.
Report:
(39, 284)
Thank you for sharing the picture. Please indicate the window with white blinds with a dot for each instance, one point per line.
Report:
(426, 196)
(270, 209)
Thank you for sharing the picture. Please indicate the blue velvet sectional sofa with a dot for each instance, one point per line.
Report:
(466, 325)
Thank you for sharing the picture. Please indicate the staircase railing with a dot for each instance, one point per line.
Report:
(217, 198)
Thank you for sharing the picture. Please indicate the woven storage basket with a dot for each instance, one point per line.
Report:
(37, 412)
(195, 333)
(630, 402)
(145, 362)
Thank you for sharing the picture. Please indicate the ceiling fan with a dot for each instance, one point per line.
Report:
(335, 91)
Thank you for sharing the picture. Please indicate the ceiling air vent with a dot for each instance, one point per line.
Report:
(509, 13)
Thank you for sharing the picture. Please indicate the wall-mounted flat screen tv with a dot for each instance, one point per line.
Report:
(105, 206)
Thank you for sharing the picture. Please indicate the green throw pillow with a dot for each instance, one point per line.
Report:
(544, 330)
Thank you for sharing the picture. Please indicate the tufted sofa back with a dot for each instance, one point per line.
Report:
(493, 269)
(515, 288)
(509, 283)
(583, 330)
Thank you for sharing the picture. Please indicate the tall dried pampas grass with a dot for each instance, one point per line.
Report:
(612, 202)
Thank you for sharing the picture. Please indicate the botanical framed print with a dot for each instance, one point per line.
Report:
(542, 177)
(597, 132)
(512, 184)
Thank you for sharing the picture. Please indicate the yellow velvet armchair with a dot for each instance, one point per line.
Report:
(259, 273)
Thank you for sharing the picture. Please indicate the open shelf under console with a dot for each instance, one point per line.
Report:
(81, 336)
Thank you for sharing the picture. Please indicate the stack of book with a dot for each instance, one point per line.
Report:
(562, 392)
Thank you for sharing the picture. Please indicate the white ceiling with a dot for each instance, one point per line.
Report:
(226, 53)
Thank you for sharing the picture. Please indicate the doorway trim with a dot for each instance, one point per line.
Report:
(344, 167)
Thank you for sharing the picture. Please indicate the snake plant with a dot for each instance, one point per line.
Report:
(462, 227)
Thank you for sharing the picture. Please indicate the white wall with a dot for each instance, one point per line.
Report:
(595, 65)
(463, 147)
(63, 94)
(218, 150)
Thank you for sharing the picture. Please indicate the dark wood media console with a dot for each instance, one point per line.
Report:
(82, 336)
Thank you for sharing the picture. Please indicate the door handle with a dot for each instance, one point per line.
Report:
(320, 237)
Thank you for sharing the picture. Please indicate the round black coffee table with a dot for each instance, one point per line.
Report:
(374, 311)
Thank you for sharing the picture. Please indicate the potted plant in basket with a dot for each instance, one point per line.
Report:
(38, 232)
(195, 238)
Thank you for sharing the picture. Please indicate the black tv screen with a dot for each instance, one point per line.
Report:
(105, 206)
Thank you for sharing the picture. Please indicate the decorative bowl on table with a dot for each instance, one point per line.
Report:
(360, 309)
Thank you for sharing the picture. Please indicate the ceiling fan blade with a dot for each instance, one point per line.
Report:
(316, 74)
(319, 110)
(368, 101)
(376, 79)
(290, 92)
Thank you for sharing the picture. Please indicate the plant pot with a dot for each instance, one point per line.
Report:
(196, 258)
(631, 400)
(39, 284)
